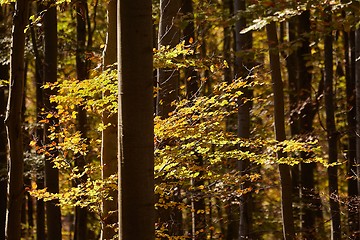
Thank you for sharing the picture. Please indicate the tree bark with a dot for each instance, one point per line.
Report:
(168, 92)
(349, 50)
(82, 68)
(306, 116)
(243, 65)
(53, 215)
(191, 77)
(109, 147)
(278, 88)
(169, 35)
(332, 135)
(13, 122)
(357, 86)
(4, 74)
(136, 129)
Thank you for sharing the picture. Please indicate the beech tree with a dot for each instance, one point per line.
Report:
(169, 35)
(243, 65)
(136, 130)
(82, 71)
(53, 215)
(109, 148)
(13, 122)
(4, 69)
(280, 135)
(4, 74)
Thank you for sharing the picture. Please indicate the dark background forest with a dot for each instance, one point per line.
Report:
(179, 119)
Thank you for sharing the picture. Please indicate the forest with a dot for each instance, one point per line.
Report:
(179, 119)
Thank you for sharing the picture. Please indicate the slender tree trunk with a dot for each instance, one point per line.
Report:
(191, 76)
(332, 135)
(40, 205)
(109, 147)
(243, 64)
(228, 34)
(169, 34)
(13, 122)
(81, 214)
(168, 92)
(292, 70)
(136, 129)
(306, 116)
(53, 215)
(4, 74)
(278, 88)
(357, 86)
(349, 47)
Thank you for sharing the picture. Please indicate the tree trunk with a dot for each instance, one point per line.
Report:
(13, 122)
(169, 34)
(228, 34)
(191, 78)
(349, 49)
(136, 129)
(332, 135)
(168, 92)
(4, 74)
(109, 148)
(306, 116)
(357, 86)
(278, 88)
(82, 64)
(243, 65)
(53, 215)
(40, 206)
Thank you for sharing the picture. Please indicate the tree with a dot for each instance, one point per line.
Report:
(39, 76)
(168, 92)
(136, 136)
(191, 77)
(169, 35)
(53, 215)
(4, 69)
(4, 74)
(349, 51)
(82, 68)
(332, 135)
(243, 42)
(109, 148)
(280, 135)
(357, 87)
(13, 121)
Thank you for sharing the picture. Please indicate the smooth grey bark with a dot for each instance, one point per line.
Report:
(13, 121)
(53, 214)
(332, 134)
(280, 135)
(136, 129)
(109, 148)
